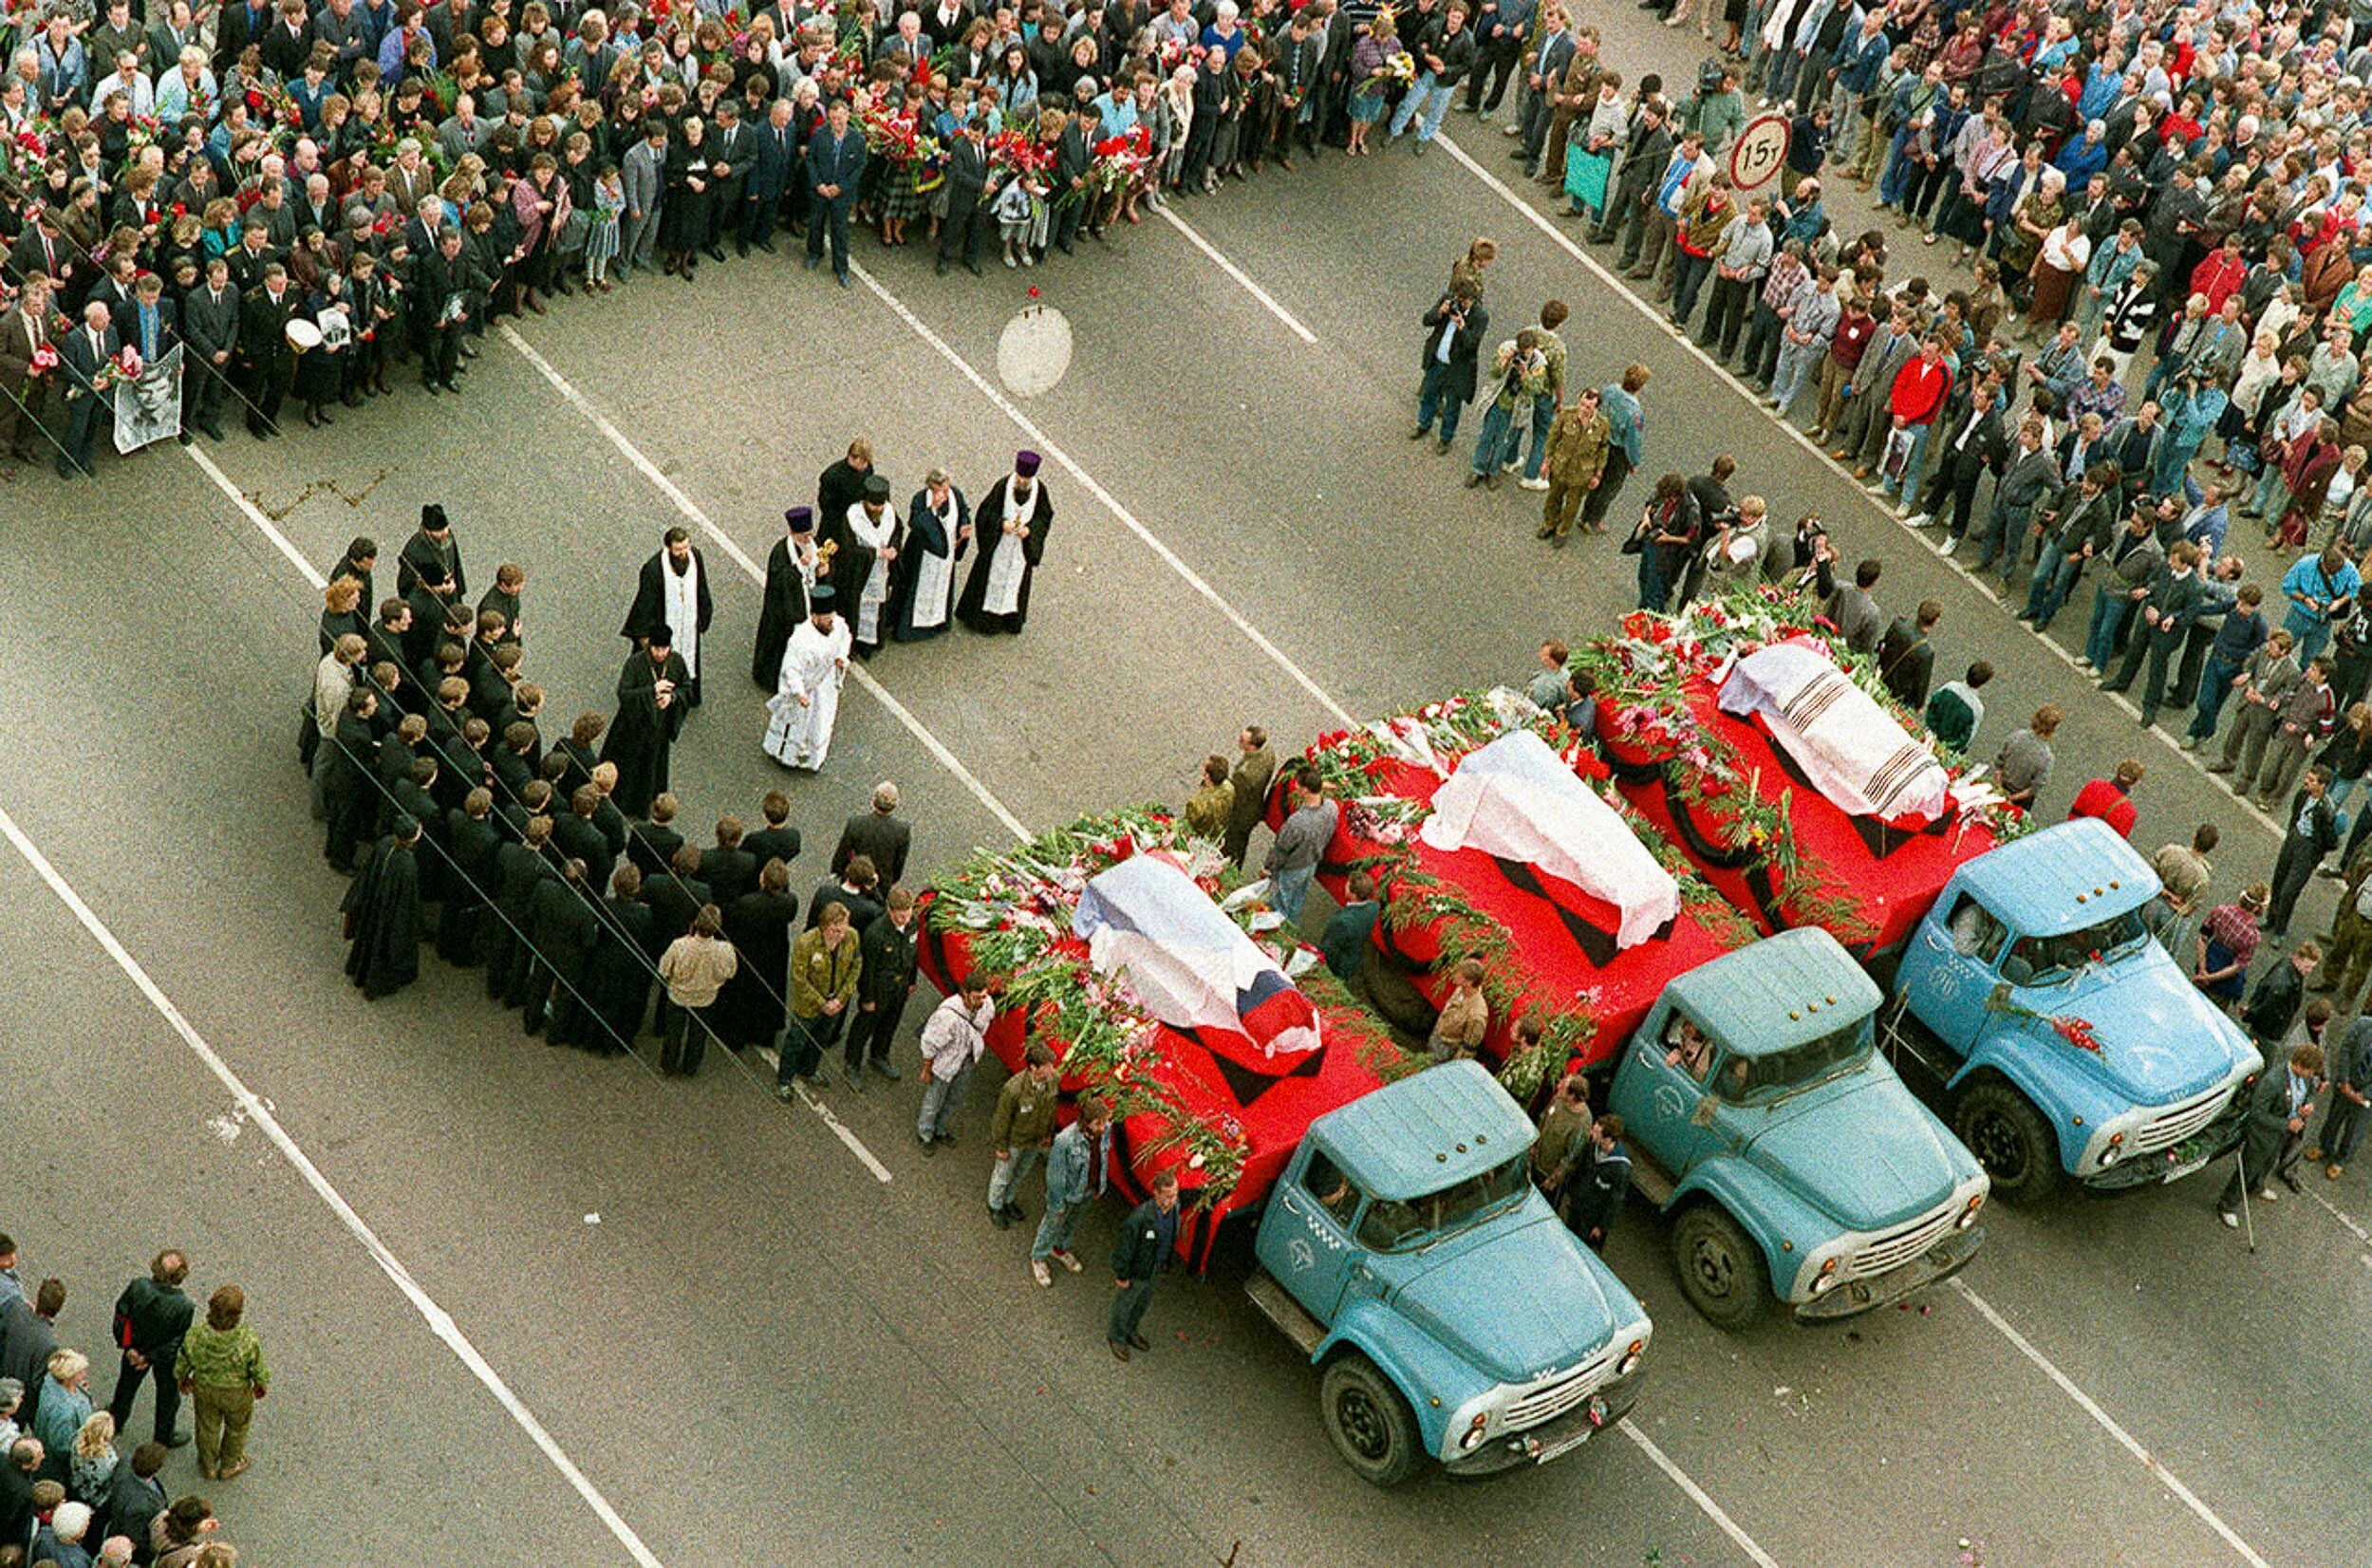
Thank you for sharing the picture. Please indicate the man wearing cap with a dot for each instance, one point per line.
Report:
(673, 591)
(869, 535)
(937, 531)
(789, 576)
(807, 697)
(651, 715)
(382, 914)
(1015, 518)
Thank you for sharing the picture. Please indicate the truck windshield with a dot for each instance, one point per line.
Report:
(2045, 961)
(1748, 1079)
(1395, 1224)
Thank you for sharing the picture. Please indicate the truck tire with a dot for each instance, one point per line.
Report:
(2011, 1140)
(1721, 1271)
(1371, 1425)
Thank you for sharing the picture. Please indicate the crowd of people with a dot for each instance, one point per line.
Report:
(69, 1496)
(305, 197)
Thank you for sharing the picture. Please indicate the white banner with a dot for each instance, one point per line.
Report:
(148, 408)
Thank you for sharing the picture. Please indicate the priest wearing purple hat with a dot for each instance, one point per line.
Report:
(790, 569)
(1014, 519)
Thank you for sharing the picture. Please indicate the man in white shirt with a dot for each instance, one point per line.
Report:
(954, 1039)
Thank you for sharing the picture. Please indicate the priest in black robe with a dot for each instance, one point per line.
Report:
(649, 719)
(382, 914)
(840, 487)
(430, 552)
(790, 572)
(672, 595)
(1015, 518)
(938, 530)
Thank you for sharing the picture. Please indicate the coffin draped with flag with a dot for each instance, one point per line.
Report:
(1489, 828)
(1773, 757)
(1129, 948)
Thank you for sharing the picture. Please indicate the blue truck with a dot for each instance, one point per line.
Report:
(1791, 1162)
(2072, 1046)
(1451, 1314)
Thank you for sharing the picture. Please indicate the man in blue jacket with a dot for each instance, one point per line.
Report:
(1149, 1238)
(835, 162)
(1077, 1169)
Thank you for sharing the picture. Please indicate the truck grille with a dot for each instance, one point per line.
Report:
(2172, 1126)
(1548, 1400)
(1898, 1247)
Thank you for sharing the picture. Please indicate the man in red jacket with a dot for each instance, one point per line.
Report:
(1916, 400)
(2110, 799)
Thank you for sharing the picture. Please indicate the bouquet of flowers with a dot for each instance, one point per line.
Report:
(1021, 154)
(1399, 72)
(45, 359)
(1118, 160)
(889, 134)
(931, 162)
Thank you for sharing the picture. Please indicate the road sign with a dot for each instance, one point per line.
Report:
(1759, 154)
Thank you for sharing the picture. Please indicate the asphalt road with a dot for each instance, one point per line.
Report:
(737, 1342)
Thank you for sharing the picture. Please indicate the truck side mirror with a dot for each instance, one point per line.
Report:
(1999, 996)
(1708, 1103)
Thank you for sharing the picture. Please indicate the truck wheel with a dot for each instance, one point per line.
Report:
(2008, 1136)
(1371, 1425)
(1720, 1269)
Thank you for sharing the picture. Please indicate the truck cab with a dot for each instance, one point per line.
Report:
(1793, 1162)
(1453, 1316)
(2071, 1044)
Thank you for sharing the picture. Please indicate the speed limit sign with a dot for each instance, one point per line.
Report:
(1759, 154)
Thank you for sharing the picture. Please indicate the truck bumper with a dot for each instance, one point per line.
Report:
(2218, 1138)
(1550, 1440)
(1938, 1263)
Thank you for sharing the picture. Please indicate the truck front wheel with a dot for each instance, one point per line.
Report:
(1371, 1425)
(1720, 1269)
(2008, 1136)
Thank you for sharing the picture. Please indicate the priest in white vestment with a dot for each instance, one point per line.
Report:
(806, 697)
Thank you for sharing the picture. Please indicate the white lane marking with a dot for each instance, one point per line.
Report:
(2346, 1219)
(256, 515)
(1236, 272)
(881, 1172)
(756, 574)
(2109, 1423)
(1623, 292)
(1046, 446)
(1697, 1495)
(253, 1107)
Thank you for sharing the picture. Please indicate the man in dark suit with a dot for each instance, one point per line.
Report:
(967, 183)
(265, 356)
(777, 840)
(1906, 655)
(84, 369)
(440, 302)
(212, 333)
(1974, 443)
(239, 27)
(2311, 836)
(776, 150)
(2280, 1106)
(1148, 1239)
(23, 328)
(878, 835)
(1453, 335)
(835, 161)
(151, 1316)
(28, 1333)
(43, 249)
(728, 177)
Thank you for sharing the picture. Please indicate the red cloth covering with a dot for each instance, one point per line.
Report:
(1555, 969)
(1882, 876)
(2103, 799)
(1273, 1102)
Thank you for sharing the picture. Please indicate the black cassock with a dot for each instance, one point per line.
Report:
(784, 608)
(926, 537)
(382, 918)
(639, 736)
(837, 488)
(649, 612)
(988, 529)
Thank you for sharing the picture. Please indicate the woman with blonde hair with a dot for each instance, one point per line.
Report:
(91, 1467)
(63, 1405)
(221, 1369)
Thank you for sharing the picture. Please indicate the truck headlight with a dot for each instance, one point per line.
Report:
(2114, 1151)
(1969, 1215)
(1475, 1429)
(1630, 1362)
(1826, 1278)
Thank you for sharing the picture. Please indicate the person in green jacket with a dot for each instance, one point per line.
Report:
(221, 1367)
